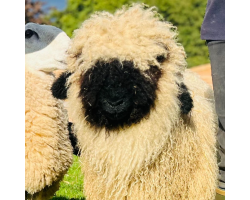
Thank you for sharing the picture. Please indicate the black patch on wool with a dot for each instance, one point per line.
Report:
(154, 72)
(73, 140)
(117, 94)
(59, 89)
(185, 99)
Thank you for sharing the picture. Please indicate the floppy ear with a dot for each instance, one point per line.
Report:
(59, 89)
(185, 99)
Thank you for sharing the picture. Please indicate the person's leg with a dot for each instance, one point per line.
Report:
(217, 59)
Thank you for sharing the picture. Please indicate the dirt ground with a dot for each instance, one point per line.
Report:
(205, 72)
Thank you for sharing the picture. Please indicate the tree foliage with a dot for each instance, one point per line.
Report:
(186, 15)
(34, 12)
(79, 10)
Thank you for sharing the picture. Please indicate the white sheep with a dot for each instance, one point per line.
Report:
(146, 125)
(48, 152)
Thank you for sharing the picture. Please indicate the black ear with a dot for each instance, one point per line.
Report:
(73, 140)
(185, 99)
(59, 89)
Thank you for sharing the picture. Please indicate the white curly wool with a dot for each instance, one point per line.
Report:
(48, 152)
(166, 155)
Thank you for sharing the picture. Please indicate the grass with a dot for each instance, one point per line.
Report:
(71, 188)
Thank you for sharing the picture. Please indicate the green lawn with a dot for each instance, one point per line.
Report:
(71, 187)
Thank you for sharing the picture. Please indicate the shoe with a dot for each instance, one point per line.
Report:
(220, 194)
(221, 185)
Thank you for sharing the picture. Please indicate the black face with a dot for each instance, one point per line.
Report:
(116, 94)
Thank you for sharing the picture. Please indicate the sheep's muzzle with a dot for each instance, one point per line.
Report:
(116, 94)
(115, 101)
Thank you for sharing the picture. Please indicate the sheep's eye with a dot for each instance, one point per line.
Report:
(160, 58)
(29, 33)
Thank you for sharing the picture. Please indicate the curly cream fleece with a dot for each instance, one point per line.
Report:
(48, 152)
(166, 155)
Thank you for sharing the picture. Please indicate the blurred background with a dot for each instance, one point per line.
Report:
(68, 15)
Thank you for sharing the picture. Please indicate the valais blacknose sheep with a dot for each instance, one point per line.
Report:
(146, 125)
(48, 152)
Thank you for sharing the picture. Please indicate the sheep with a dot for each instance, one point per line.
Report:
(146, 125)
(59, 91)
(48, 152)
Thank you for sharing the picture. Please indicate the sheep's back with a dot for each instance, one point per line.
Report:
(48, 153)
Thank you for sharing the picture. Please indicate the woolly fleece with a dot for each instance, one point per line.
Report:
(165, 156)
(48, 152)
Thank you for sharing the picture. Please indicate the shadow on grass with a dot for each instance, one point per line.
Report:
(65, 198)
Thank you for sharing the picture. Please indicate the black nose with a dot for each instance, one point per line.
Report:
(115, 103)
(113, 95)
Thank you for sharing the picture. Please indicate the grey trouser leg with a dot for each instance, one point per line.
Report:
(217, 59)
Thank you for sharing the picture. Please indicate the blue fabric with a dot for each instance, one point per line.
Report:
(213, 26)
